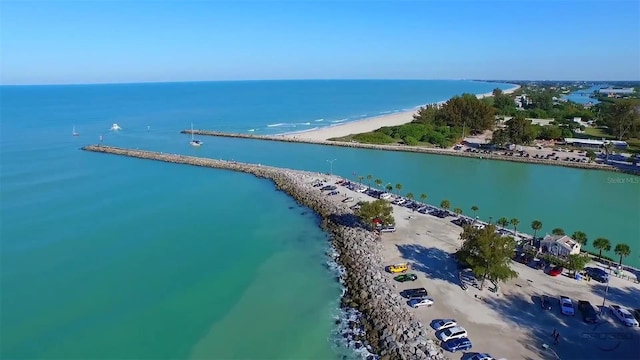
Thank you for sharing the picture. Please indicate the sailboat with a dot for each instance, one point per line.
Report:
(193, 141)
(74, 132)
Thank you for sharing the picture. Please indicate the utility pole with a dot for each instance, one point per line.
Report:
(331, 166)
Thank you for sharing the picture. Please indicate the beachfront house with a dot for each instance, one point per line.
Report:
(560, 245)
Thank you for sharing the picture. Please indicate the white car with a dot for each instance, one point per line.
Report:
(624, 315)
(566, 306)
(483, 356)
(443, 324)
(455, 332)
(424, 301)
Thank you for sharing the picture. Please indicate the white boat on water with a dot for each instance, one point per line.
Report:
(115, 127)
(193, 141)
(74, 132)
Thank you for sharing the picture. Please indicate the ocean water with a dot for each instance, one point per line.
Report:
(582, 96)
(108, 257)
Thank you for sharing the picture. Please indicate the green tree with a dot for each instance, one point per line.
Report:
(360, 178)
(622, 250)
(535, 226)
(410, 196)
(377, 209)
(580, 237)
(445, 204)
(500, 137)
(602, 244)
(423, 197)
(467, 111)
(426, 115)
(577, 262)
(389, 187)
(474, 209)
(487, 253)
(369, 177)
(503, 221)
(378, 182)
(608, 150)
(457, 211)
(558, 232)
(515, 222)
(520, 130)
(591, 154)
(622, 119)
(503, 103)
(398, 188)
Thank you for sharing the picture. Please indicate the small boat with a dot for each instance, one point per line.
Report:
(74, 132)
(193, 141)
(115, 127)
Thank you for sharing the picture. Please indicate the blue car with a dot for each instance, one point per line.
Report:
(462, 344)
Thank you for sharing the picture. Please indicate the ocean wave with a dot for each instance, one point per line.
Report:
(289, 124)
(339, 120)
(385, 112)
(252, 130)
(318, 120)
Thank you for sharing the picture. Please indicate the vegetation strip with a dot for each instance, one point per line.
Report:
(389, 328)
(593, 166)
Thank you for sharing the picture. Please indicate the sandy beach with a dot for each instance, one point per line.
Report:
(508, 324)
(369, 124)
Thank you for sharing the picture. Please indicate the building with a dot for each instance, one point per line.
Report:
(560, 245)
(541, 122)
(617, 91)
(585, 143)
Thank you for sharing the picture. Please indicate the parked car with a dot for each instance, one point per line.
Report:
(557, 270)
(597, 274)
(443, 324)
(398, 268)
(483, 356)
(589, 312)
(545, 302)
(461, 344)
(406, 277)
(420, 302)
(452, 333)
(636, 314)
(624, 315)
(388, 228)
(566, 306)
(415, 293)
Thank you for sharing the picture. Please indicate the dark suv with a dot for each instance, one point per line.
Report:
(415, 293)
(589, 312)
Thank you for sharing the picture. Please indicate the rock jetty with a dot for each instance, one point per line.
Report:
(388, 328)
(402, 148)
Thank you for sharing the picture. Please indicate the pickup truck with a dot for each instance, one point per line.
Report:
(589, 312)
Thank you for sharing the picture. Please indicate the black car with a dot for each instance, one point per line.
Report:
(414, 293)
(545, 302)
(589, 312)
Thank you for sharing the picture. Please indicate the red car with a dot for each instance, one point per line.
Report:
(556, 271)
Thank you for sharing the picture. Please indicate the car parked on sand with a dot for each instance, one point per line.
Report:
(398, 268)
(597, 274)
(406, 277)
(461, 344)
(414, 293)
(452, 333)
(443, 324)
(624, 315)
(483, 356)
(555, 271)
(545, 302)
(589, 312)
(566, 306)
(420, 302)
(636, 314)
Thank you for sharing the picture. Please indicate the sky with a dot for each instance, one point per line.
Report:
(93, 41)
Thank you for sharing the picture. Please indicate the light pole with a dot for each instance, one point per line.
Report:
(331, 166)
(548, 348)
(606, 290)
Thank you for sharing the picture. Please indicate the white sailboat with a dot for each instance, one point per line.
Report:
(193, 141)
(115, 127)
(74, 132)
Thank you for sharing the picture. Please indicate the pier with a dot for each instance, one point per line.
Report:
(413, 149)
(388, 328)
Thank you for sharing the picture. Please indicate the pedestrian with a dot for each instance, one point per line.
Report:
(557, 338)
(553, 334)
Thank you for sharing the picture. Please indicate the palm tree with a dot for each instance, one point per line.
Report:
(378, 182)
(474, 209)
(622, 250)
(398, 188)
(423, 197)
(515, 222)
(580, 237)
(445, 204)
(458, 211)
(369, 177)
(389, 187)
(360, 178)
(535, 225)
(410, 196)
(558, 231)
(601, 244)
(502, 221)
(608, 149)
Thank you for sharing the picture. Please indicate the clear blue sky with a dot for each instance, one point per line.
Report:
(52, 41)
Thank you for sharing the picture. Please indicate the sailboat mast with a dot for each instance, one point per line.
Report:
(191, 131)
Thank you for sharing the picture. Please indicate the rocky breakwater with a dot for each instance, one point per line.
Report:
(386, 326)
(416, 149)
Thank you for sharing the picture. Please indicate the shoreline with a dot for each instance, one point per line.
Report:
(371, 123)
(415, 149)
(389, 329)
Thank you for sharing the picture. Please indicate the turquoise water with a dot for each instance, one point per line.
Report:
(107, 257)
(582, 96)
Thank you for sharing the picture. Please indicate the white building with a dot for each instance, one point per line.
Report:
(617, 91)
(560, 245)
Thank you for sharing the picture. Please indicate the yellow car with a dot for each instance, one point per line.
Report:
(398, 268)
